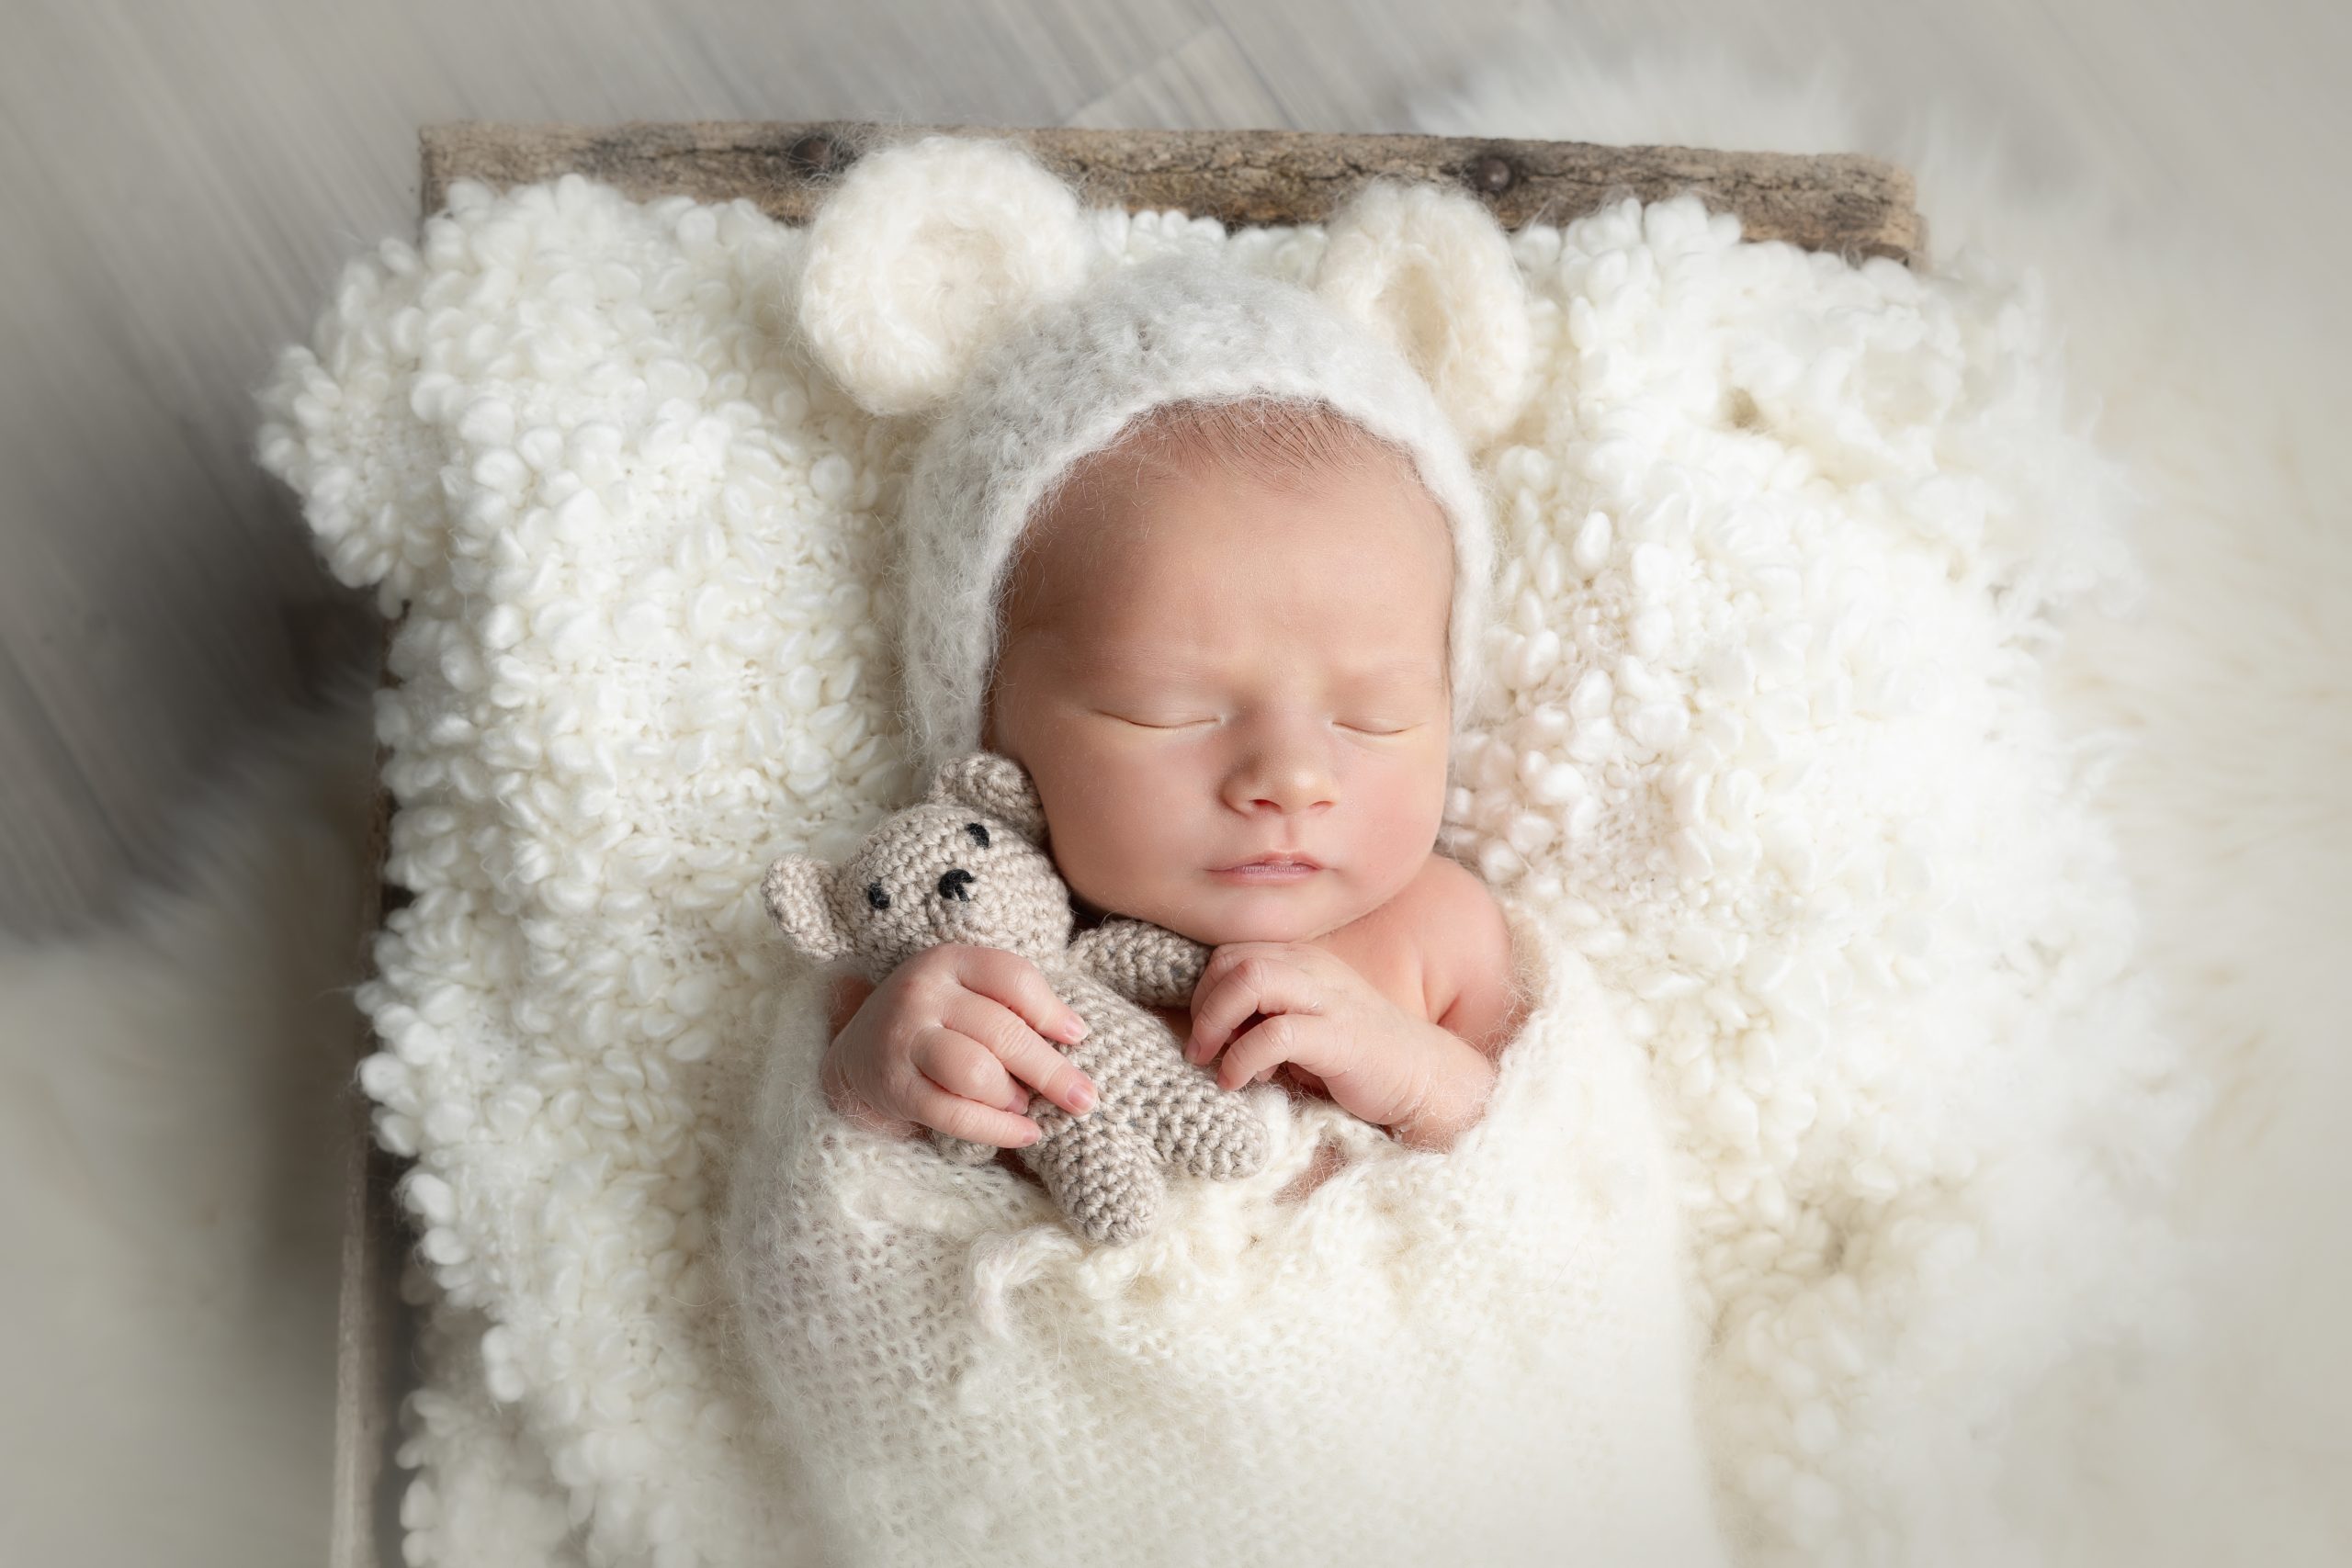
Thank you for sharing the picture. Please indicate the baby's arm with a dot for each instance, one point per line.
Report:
(1475, 964)
(1473, 993)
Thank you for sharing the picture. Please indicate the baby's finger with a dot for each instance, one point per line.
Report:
(1255, 984)
(1225, 956)
(1015, 983)
(1259, 1050)
(1304, 956)
(961, 1118)
(1022, 1054)
(960, 1064)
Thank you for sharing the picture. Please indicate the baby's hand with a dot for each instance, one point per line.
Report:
(1373, 1058)
(941, 1043)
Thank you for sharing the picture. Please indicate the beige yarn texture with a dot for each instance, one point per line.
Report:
(958, 866)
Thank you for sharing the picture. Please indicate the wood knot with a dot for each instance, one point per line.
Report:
(815, 156)
(1493, 174)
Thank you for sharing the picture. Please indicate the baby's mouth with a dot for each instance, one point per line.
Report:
(1270, 868)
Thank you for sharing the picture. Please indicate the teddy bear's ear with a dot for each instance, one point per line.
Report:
(1430, 271)
(998, 785)
(799, 893)
(926, 253)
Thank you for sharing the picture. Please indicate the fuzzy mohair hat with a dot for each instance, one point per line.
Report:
(958, 278)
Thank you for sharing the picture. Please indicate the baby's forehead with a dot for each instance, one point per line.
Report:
(1125, 655)
(1147, 525)
(1117, 500)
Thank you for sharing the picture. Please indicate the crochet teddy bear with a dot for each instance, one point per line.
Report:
(964, 865)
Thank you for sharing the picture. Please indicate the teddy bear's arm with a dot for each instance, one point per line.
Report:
(1143, 962)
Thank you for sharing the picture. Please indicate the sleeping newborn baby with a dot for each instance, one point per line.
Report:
(1203, 549)
(1223, 657)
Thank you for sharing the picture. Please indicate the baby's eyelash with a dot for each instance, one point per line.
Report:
(1149, 723)
(1380, 730)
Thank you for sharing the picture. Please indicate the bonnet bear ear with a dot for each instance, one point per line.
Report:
(1430, 271)
(924, 253)
(799, 893)
(998, 785)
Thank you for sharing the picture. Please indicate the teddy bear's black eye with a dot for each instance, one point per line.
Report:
(979, 834)
(876, 897)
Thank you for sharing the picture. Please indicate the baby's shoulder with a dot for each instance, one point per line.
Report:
(1445, 905)
(1438, 936)
(1468, 976)
(1444, 885)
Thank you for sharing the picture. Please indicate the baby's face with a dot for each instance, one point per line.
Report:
(1200, 671)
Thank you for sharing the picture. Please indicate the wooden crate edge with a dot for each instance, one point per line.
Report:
(1847, 204)
(373, 1326)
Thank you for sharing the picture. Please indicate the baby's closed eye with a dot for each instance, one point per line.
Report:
(1367, 724)
(1158, 720)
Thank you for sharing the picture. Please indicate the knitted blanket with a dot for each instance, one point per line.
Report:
(1475, 1357)
(1769, 775)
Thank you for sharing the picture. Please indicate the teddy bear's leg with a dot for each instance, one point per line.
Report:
(1234, 1141)
(1203, 1130)
(1101, 1170)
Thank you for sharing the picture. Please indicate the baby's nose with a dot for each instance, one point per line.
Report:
(1286, 782)
(957, 884)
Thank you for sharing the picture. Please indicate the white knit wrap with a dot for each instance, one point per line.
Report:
(1481, 1355)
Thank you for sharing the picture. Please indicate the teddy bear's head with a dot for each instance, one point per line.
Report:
(961, 865)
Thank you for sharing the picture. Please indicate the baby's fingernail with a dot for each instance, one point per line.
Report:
(1082, 1097)
(1073, 1027)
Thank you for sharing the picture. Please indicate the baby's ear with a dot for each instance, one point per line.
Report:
(925, 253)
(1430, 271)
(997, 785)
(799, 893)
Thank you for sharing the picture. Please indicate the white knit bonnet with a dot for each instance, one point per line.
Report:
(957, 277)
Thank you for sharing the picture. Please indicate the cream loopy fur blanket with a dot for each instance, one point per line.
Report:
(1786, 546)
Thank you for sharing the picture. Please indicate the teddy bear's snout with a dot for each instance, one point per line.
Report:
(957, 884)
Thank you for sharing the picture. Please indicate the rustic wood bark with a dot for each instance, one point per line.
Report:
(373, 1329)
(1851, 205)
(1843, 203)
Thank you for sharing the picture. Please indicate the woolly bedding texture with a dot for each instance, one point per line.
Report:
(1771, 773)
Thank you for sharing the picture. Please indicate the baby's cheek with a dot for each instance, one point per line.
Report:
(1401, 815)
(1132, 814)
(1094, 841)
(1102, 867)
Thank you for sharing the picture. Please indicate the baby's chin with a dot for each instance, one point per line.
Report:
(1287, 915)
